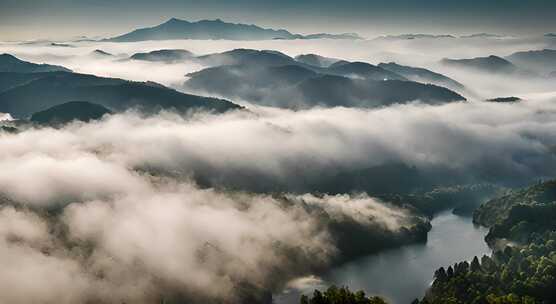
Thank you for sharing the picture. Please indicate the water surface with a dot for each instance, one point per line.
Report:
(403, 274)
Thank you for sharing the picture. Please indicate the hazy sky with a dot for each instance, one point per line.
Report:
(33, 19)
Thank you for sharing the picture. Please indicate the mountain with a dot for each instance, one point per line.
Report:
(481, 35)
(491, 64)
(413, 36)
(68, 112)
(10, 80)
(294, 86)
(256, 58)
(316, 60)
(9, 63)
(246, 57)
(331, 90)
(216, 30)
(505, 99)
(101, 53)
(362, 70)
(422, 75)
(62, 45)
(550, 35)
(22, 94)
(497, 209)
(542, 61)
(204, 29)
(167, 56)
(254, 83)
(54, 88)
(346, 36)
(250, 57)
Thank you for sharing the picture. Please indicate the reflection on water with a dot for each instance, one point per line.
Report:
(403, 274)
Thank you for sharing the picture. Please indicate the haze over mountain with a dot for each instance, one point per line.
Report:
(9, 63)
(346, 36)
(491, 64)
(483, 35)
(214, 30)
(70, 111)
(542, 61)
(24, 94)
(316, 60)
(246, 57)
(350, 84)
(168, 56)
(423, 75)
(414, 36)
(364, 70)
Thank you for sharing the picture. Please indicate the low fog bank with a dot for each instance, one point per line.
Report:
(77, 226)
(284, 151)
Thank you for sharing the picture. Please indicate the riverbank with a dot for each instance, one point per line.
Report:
(402, 274)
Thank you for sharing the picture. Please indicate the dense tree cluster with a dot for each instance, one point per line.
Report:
(498, 209)
(514, 275)
(463, 199)
(524, 223)
(340, 295)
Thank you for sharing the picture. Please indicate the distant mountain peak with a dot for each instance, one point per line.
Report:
(216, 29)
(414, 36)
(491, 63)
(422, 75)
(165, 55)
(101, 53)
(509, 99)
(541, 61)
(482, 35)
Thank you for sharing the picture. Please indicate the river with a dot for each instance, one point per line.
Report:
(403, 274)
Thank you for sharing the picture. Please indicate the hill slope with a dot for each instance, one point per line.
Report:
(168, 56)
(295, 86)
(9, 63)
(55, 88)
(491, 64)
(68, 112)
(204, 29)
(543, 61)
(422, 75)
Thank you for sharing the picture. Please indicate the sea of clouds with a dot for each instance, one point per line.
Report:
(221, 208)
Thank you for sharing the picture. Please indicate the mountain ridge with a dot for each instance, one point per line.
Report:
(216, 29)
(70, 111)
(25, 91)
(10, 63)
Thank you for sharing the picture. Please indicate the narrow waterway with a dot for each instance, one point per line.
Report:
(403, 274)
